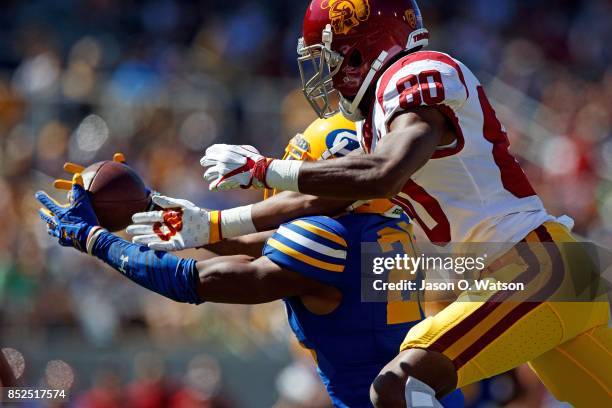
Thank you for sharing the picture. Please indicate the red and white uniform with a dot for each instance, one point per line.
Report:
(473, 190)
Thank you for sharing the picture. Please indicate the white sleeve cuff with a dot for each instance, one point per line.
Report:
(92, 238)
(283, 175)
(236, 222)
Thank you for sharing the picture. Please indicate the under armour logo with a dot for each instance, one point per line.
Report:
(124, 259)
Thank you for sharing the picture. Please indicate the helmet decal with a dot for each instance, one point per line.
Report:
(346, 14)
(411, 18)
(341, 142)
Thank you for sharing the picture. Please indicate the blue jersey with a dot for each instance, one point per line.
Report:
(354, 341)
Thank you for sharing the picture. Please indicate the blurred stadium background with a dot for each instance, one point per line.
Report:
(162, 79)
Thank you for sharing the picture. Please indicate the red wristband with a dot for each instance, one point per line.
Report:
(260, 169)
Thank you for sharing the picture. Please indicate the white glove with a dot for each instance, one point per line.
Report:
(181, 225)
(231, 167)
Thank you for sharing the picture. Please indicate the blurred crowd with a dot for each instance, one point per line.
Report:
(160, 80)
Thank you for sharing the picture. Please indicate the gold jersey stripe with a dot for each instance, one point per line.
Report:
(304, 258)
(320, 232)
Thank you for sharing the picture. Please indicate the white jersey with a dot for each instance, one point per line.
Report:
(473, 190)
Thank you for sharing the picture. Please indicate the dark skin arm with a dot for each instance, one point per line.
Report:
(241, 279)
(250, 245)
(411, 142)
(333, 185)
(269, 214)
(286, 206)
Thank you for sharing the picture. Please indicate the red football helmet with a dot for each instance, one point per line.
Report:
(347, 42)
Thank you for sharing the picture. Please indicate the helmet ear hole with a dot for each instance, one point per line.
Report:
(356, 59)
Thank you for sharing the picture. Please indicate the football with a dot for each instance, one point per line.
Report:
(117, 193)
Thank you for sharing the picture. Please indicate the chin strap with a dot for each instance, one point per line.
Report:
(352, 112)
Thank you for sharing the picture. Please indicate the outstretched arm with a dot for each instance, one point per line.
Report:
(287, 205)
(180, 224)
(251, 245)
(331, 186)
(244, 280)
(237, 279)
(226, 279)
(412, 140)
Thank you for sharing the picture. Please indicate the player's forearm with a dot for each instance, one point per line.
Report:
(353, 178)
(161, 272)
(221, 279)
(244, 280)
(363, 177)
(233, 281)
(379, 175)
(286, 206)
(251, 244)
(238, 230)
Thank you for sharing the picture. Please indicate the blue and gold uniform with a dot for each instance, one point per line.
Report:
(354, 340)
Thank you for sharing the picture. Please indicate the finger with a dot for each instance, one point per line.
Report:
(163, 246)
(233, 158)
(47, 216)
(78, 191)
(145, 239)
(228, 158)
(166, 202)
(50, 220)
(77, 179)
(140, 229)
(214, 184)
(62, 184)
(222, 185)
(216, 148)
(119, 157)
(240, 153)
(249, 149)
(73, 168)
(208, 161)
(224, 153)
(211, 174)
(228, 185)
(148, 217)
(48, 202)
(52, 230)
(211, 177)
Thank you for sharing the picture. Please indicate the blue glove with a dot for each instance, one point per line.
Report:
(161, 272)
(71, 223)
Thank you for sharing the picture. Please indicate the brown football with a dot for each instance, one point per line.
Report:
(117, 193)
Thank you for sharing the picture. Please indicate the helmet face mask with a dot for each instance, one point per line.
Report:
(318, 65)
(298, 149)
